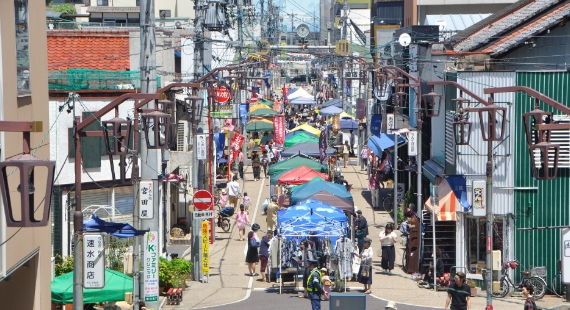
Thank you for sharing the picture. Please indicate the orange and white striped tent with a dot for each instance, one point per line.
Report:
(448, 202)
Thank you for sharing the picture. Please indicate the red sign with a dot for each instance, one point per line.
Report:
(279, 129)
(222, 94)
(203, 200)
(235, 145)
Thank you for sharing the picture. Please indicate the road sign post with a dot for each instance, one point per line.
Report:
(204, 200)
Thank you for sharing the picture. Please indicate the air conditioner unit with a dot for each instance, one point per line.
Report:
(182, 137)
(496, 258)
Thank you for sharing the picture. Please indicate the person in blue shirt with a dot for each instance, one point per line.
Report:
(314, 285)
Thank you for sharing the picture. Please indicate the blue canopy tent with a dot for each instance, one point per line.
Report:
(296, 132)
(333, 102)
(385, 141)
(347, 124)
(330, 110)
(308, 148)
(317, 185)
(119, 230)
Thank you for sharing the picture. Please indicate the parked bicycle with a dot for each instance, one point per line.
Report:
(534, 277)
(558, 287)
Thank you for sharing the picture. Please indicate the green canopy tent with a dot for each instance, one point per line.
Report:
(300, 138)
(259, 125)
(295, 162)
(116, 285)
(263, 112)
(265, 101)
(317, 185)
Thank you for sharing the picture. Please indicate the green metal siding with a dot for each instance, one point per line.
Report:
(549, 205)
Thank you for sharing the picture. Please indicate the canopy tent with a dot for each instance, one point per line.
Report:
(301, 175)
(309, 148)
(265, 102)
(119, 230)
(263, 112)
(344, 204)
(300, 138)
(330, 110)
(298, 132)
(385, 141)
(258, 106)
(116, 285)
(333, 102)
(311, 217)
(310, 188)
(259, 124)
(303, 100)
(307, 128)
(299, 93)
(345, 115)
(295, 162)
(346, 124)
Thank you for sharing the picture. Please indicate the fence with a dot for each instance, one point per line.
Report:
(89, 79)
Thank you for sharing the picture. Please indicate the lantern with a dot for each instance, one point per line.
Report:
(381, 83)
(156, 126)
(431, 103)
(195, 105)
(115, 142)
(461, 123)
(400, 97)
(538, 141)
(493, 116)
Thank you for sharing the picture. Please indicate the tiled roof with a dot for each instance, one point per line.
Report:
(510, 17)
(534, 27)
(92, 49)
(113, 9)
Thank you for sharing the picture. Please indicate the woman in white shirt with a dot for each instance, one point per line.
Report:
(388, 239)
(365, 272)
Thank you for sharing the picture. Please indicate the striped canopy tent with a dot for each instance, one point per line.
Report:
(445, 210)
(308, 128)
(259, 124)
(257, 106)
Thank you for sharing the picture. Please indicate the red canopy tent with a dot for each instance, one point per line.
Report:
(301, 175)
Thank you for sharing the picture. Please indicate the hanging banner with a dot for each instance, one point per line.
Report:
(205, 249)
(412, 143)
(479, 198)
(279, 129)
(323, 145)
(93, 261)
(360, 108)
(390, 123)
(243, 113)
(235, 146)
(201, 146)
(376, 124)
(458, 185)
(150, 266)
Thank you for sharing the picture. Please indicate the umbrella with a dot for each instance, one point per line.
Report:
(300, 138)
(301, 175)
(116, 285)
(295, 162)
(379, 144)
(330, 110)
(263, 112)
(298, 132)
(344, 204)
(258, 106)
(310, 188)
(259, 124)
(309, 148)
(307, 128)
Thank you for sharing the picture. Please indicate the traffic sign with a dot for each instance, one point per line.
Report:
(203, 214)
(203, 200)
(222, 94)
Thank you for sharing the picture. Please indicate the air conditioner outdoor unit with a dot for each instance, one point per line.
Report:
(182, 137)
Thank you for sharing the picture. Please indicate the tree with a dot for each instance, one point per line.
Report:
(64, 8)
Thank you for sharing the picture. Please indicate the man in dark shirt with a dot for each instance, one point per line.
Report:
(264, 254)
(361, 226)
(459, 294)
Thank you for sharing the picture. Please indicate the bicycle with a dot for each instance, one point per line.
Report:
(223, 218)
(534, 277)
(558, 287)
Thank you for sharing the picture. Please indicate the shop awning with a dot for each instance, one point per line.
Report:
(431, 170)
(445, 210)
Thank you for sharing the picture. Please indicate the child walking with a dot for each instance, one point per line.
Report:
(241, 221)
(327, 283)
(246, 202)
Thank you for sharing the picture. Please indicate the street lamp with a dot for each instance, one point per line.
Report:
(25, 164)
(116, 143)
(156, 125)
(461, 123)
(431, 104)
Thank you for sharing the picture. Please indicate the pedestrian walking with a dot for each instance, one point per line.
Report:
(388, 239)
(365, 271)
(265, 162)
(246, 202)
(272, 209)
(240, 164)
(252, 256)
(256, 165)
(361, 229)
(352, 140)
(364, 154)
(528, 290)
(233, 191)
(314, 285)
(242, 220)
(264, 255)
(458, 294)
(345, 153)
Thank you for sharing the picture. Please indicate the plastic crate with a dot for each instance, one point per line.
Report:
(538, 271)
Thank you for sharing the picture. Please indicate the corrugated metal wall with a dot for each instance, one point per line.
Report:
(471, 159)
(549, 204)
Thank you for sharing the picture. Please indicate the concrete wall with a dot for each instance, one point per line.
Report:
(29, 287)
(164, 54)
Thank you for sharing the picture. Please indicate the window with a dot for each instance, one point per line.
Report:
(102, 2)
(477, 234)
(561, 137)
(22, 47)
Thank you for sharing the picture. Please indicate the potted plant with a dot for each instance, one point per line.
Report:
(473, 286)
(173, 273)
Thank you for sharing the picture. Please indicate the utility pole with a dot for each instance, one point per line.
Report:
(151, 160)
(262, 19)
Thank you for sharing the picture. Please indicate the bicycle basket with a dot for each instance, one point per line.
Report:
(538, 271)
(513, 264)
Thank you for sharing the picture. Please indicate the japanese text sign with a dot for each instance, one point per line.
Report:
(146, 194)
(93, 261)
(150, 266)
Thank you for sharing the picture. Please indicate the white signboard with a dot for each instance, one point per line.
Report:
(151, 266)
(479, 198)
(93, 261)
(243, 96)
(390, 123)
(207, 214)
(201, 146)
(565, 255)
(413, 143)
(146, 194)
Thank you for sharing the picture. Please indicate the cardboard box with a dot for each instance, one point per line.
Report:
(479, 268)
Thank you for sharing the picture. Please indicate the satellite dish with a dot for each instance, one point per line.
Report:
(405, 39)
(178, 24)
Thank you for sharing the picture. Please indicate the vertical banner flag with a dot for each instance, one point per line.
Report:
(150, 266)
(360, 108)
(376, 124)
(323, 145)
(412, 143)
(279, 129)
(235, 146)
(243, 113)
(390, 123)
(205, 249)
(479, 198)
